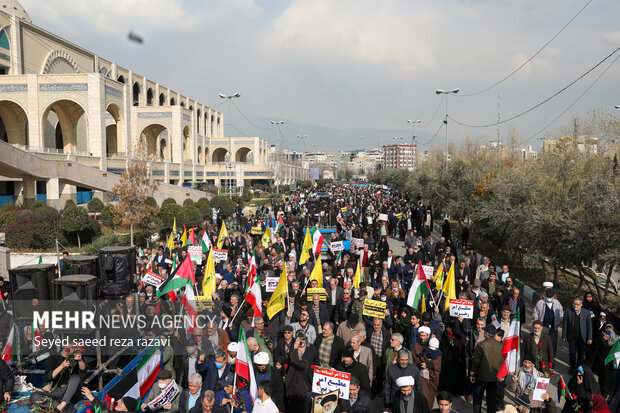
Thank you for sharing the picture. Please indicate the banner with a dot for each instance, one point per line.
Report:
(327, 174)
(358, 242)
(195, 253)
(167, 395)
(320, 291)
(152, 279)
(314, 173)
(220, 255)
(326, 380)
(256, 231)
(325, 403)
(374, 308)
(462, 308)
(271, 283)
(337, 246)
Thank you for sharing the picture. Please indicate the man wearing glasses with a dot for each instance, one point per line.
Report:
(577, 332)
(305, 326)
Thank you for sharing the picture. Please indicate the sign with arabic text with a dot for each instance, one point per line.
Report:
(220, 255)
(153, 279)
(374, 308)
(326, 380)
(462, 308)
(195, 253)
(336, 246)
(167, 395)
(271, 283)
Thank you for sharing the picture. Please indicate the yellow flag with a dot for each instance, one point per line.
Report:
(266, 238)
(184, 237)
(357, 279)
(277, 302)
(449, 287)
(303, 257)
(438, 277)
(170, 243)
(317, 272)
(423, 305)
(208, 281)
(223, 234)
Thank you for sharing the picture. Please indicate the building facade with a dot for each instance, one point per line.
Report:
(399, 156)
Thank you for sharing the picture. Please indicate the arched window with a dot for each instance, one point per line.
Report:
(162, 99)
(121, 79)
(172, 102)
(136, 94)
(149, 97)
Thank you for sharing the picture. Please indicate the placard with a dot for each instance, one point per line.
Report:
(357, 242)
(325, 403)
(374, 308)
(167, 395)
(429, 271)
(383, 217)
(152, 279)
(195, 253)
(271, 283)
(220, 255)
(540, 388)
(326, 380)
(320, 291)
(256, 231)
(336, 246)
(462, 308)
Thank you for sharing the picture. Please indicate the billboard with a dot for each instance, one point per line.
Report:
(328, 174)
(314, 173)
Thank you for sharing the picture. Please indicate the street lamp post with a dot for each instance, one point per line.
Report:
(277, 124)
(413, 122)
(446, 92)
(228, 98)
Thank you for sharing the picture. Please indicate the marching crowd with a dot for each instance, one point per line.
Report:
(402, 360)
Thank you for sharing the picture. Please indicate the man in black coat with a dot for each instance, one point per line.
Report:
(516, 302)
(577, 331)
(263, 371)
(330, 341)
(407, 395)
(194, 388)
(358, 370)
(358, 402)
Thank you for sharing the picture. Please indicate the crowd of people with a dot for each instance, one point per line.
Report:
(405, 360)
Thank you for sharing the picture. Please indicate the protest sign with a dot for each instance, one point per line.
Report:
(383, 217)
(153, 279)
(358, 242)
(195, 253)
(462, 308)
(325, 403)
(167, 395)
(374, 308)
(428, 271)
(540, 388)
(336, 246)
(256, 231)
(220, 255)
(271, 283)
(320, 291)
(326, 380)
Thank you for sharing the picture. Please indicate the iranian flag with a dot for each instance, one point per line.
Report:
(317, 240)
(189, 303)
(180, 277)
(244, 367)
(138, 377)
(253, 294)
(510, 350)
(8, 347)
(418, 289)
(205, 243)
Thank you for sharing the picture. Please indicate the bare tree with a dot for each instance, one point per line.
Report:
(135, 186)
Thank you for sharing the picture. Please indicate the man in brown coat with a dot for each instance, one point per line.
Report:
(539, 345)
(486, 362)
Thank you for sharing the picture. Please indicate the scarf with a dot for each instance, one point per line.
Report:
(406, 406)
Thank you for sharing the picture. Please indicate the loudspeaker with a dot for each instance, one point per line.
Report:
(31, 287)
(75, 293)
(82, 264)
(117, 269)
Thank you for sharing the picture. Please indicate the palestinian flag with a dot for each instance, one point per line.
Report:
(189, 303)
(614, 355)
(179, 278)
(8, 347)
(510, 350)
(205, 242)
(280, 224)
(137, 378)
(191, 239)
(244, 367)
(418, 289)
(563, 391)
(317, 240)
(253, 294)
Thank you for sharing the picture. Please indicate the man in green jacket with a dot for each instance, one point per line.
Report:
(486, 362)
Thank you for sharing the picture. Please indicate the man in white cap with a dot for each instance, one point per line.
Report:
(408, 400)
(264, 372)
(550, 312)
(232, 349)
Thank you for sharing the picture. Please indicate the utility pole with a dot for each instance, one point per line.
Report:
(498, 134)
(575, 133)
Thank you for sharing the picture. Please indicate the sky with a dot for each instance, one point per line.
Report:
(348, 74)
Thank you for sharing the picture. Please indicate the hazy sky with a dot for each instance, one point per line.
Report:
(336, 70)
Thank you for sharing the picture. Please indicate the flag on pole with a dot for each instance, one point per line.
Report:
(244, 367)
(317, 240)
(205, 242)
(317, 272)
(40, 259)
(339, 258)
(303, 257)
(449, 287)
(179, 278)
(510, 349)
(418, 289)
(562, 391)
(140, 253)
(208, 281)
(189, 303)
(184, 236)
(223, 234)
(8, 347)
(191, 239)
(253, 295)
(439, 274)
(170, 243)
(357, 278)
(277, 302)
(280, 224)
(614, 355)
(266, 239)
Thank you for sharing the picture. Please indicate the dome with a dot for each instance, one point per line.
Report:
(13, 8)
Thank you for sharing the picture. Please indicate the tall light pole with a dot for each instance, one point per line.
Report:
(413, 122)
(277, 124)
(230, 155)
(447, 93)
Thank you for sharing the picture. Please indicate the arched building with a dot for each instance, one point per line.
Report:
(65, 103)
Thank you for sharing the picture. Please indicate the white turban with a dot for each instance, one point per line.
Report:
(405, 381)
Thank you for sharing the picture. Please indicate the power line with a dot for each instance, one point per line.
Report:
(528, 60)
(431, 139)
(574, 101)
(541, 103)
(436, 110)
(248, 119)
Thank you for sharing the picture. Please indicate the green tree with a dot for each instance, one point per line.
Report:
(192, 216)
(224, 204)
(95, 205)
(74, 220)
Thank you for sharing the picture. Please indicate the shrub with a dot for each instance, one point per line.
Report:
(95, 205)
(188, 201)
(204, 207)
(107, 216)
(192, 216)
(6, 218)
(224, 204)
(34, 229)
(74, 222)
(166, 215)
(168, 201)
(151, 202)
(100, 242)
